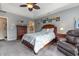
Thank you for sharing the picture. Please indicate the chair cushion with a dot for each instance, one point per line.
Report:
(71, 39)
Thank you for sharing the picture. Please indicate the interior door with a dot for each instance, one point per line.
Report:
(3, 28)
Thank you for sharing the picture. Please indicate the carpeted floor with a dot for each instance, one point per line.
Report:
(16, 48)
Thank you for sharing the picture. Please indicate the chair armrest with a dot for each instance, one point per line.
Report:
(77, 49)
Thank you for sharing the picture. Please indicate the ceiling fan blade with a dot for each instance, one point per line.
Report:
(30, 9)
(23, 5)
(34, 3)
(36, 7)
(2, 11)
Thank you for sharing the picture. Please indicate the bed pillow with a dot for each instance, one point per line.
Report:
(51, 29)
(43, 30)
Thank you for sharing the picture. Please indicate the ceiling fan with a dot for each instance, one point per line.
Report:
(30, 6)
(2, 11)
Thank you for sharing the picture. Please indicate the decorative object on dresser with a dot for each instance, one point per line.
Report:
(21, 30)
(31, 26)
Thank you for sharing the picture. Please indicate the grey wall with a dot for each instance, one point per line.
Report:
(12, 20)
(67, 16)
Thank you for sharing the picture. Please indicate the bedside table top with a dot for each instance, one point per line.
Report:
(61, 39)
(61, 35)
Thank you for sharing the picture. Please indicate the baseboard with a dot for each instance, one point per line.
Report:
(2, 39)
(10, 40)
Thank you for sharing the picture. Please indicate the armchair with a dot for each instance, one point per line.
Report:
(70, 46)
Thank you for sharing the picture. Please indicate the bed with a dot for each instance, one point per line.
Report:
(36, 41)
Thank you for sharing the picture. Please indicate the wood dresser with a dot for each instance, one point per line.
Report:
(21, 30)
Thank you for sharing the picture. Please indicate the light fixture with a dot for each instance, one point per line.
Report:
(29, 5)
(61, 28)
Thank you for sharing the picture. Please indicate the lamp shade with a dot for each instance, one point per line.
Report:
(61, 28)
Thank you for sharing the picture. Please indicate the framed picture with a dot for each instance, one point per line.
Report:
(57, 18)
(47, 20)
(44, 21)
(76, 23)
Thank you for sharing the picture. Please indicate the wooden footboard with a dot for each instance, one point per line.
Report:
(51, 42)
(32, 47)
(28, 44)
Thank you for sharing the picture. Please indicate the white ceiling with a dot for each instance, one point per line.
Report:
(45, 9)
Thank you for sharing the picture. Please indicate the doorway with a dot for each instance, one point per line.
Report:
(3, 28)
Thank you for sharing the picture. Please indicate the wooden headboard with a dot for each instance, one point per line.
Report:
(48, 26)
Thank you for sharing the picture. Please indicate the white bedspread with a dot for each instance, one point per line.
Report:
(39, 39)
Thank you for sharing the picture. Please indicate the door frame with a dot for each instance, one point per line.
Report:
(6, 18)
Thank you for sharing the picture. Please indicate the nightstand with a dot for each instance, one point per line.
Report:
(60, 36)
(21, 30)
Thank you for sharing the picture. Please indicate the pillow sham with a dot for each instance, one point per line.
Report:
(51, 29)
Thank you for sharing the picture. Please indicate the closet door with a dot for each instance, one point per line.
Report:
(3, 28)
